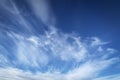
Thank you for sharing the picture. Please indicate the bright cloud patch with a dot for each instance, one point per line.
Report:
(64, 56)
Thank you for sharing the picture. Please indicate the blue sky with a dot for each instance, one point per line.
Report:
(59, 40)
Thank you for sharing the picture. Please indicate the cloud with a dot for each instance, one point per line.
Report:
(86, 71)
(96, 41)
(63, 46)
(16, 18)
(41, 9)
(52, 48)
(109, 77)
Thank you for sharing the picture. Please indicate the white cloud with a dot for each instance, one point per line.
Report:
(111, 50)
(13, 12)
(36, 51)
(3, 57)
(96, 42)
(42, 11)
(87, 71)
(109, 77)
(3, 60)
(34, 40)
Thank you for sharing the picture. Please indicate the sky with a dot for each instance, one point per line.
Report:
(59, 40)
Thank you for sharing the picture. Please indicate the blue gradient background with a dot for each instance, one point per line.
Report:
(20, 28)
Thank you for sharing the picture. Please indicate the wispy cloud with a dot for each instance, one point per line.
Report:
(109, 77)
(40, 51)
(87, 71)
(42, 10)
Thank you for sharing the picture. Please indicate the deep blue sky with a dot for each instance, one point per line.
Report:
(89, 18)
